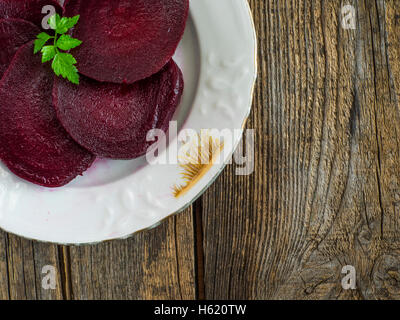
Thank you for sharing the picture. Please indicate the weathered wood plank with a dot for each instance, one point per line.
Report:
(155, 264)
(326, 188)
(21, 263)
(4, 283)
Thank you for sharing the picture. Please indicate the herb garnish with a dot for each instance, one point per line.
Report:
(63, 63)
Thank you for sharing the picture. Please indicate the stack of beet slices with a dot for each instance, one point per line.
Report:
(52, 130)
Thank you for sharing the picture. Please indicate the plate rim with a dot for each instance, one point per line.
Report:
(199, 193)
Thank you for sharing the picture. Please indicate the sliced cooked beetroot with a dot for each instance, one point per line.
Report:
(30, 10)
(112, 120)
(33, 144)
(13, 34)
(126, 40)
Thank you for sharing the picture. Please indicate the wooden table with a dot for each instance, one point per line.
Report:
(325, 192)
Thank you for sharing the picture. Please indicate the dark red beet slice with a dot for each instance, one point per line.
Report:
(126, 40)
(30, 10)
(112, 120)
(33, 144)
(13, 34)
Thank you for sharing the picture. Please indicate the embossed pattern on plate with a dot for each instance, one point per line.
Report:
(115, 199)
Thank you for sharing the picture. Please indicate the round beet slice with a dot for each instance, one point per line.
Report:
(33, 144)
(126, 40)
(13, 34)
(30, 10)
(112, 120)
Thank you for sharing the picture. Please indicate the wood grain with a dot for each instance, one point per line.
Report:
(325, 193)
(21, 263)
(155, 264)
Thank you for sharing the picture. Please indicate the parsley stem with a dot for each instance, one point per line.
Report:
(55, 41)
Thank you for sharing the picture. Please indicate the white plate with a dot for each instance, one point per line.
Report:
(115, 199)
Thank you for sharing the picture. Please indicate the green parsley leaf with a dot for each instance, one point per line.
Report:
(48, 53)
(63, 64)
(66, 42)
(65, 24)
(40, 41)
